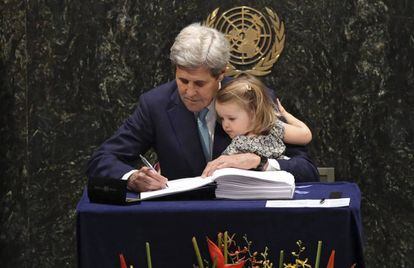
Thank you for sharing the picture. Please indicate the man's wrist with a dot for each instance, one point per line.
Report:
(128, 174)
(131, 180)
(262, 163)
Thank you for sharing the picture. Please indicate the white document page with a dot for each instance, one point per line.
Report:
(178, 186)
(309, 203)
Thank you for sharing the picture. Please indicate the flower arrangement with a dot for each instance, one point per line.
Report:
(226, 253)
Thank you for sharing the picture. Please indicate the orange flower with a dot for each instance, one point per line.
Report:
(216, 254)
(122, 261)
(331, 260)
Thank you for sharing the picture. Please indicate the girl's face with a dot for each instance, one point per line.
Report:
(234, 119)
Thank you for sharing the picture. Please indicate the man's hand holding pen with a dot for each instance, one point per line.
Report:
(146, 179)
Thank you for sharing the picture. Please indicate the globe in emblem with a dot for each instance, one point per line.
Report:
(249, 34)
(256, 41)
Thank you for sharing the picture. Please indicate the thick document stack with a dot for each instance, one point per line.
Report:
(246, 184)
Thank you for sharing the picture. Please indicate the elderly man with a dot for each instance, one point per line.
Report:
(167, 119)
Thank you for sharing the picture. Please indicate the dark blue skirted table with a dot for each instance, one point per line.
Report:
(104, 231)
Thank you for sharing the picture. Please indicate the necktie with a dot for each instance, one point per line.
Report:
(203, 131)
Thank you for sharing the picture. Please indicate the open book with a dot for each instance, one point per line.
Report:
(233, 183)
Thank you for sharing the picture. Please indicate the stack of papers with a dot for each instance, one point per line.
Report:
(235, 183)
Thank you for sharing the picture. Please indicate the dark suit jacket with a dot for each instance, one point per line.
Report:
(163, 122)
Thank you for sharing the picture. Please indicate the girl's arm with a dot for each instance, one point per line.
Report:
(296, 132)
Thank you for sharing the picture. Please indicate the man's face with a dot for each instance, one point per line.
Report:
(197, 87)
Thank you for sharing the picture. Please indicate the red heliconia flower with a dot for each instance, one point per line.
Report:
(122, 261)
(216, 254)
(331, 260)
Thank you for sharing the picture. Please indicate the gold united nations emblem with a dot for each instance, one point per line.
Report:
(256, 41)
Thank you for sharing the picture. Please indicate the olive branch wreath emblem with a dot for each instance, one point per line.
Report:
(265, 63)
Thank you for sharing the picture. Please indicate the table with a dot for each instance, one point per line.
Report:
(104, 231)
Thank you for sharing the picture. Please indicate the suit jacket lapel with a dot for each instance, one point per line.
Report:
(185, 127)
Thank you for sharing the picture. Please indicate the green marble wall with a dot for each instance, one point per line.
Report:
(71, 71)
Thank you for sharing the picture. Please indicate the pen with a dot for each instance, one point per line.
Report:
(148, 164)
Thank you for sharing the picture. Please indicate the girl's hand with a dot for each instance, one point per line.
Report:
(281, 112)
(296, 132)
(242, 161)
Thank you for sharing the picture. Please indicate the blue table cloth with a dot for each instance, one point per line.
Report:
(104, 231)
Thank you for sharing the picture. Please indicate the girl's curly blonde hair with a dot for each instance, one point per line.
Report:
(251, 94)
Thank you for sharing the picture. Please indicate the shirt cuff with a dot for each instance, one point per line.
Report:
(126, 175)
(272, 165)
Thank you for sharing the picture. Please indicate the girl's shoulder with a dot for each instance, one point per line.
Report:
(278, 129)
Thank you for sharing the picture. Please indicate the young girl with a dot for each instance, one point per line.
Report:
(250, 117)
